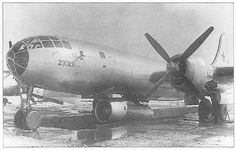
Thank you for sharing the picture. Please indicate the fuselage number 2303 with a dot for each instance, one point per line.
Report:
(65, 63)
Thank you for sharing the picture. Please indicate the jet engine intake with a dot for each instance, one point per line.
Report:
(116, 110)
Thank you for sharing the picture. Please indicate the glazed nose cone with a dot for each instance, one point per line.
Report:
(17, 59)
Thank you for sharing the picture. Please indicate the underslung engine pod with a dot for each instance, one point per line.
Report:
(119, 110)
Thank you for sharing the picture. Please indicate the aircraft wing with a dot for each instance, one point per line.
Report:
(227, 72)
(224, 75)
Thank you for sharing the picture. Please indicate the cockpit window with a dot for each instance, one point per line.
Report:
(58, 44)
(18, 47)
(47, 44)
(66, 44)
(53, 38)
(35, 45)
(31, 40)
(42, 41)
(42, 38)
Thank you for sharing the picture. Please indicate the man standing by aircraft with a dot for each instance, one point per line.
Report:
(214, 93)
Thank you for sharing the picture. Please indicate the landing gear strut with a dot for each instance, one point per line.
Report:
(26, 118)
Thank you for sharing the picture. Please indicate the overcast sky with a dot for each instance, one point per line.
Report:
(123, 25)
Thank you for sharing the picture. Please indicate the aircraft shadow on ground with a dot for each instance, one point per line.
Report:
(89, 137)
(70, 122)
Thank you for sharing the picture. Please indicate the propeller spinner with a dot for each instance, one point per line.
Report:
(173, 66)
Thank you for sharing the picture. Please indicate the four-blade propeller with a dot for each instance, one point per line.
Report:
(175, 66)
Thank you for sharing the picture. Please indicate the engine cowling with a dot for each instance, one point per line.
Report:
(195, 69)
(117, 110)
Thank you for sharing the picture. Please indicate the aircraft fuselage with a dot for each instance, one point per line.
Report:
(82, 67)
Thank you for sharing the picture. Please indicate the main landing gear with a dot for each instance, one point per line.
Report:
(212, 111)
(204, 110)
(215, 112)
(26, 118)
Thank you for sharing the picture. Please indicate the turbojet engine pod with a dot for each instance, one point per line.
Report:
(119, 110)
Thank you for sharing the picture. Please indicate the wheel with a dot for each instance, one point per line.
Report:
(31, 120)
(223, 112)
(27, 120)
(95, 101)
(18, 119)
(204, 110)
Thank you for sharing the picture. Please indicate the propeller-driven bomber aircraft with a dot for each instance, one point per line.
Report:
(91, 70)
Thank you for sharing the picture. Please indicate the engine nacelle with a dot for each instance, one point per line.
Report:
(191, 100)
(117, 110)
(196, 70)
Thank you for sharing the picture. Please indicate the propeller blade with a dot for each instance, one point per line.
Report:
(155, 87)
(194, 88)
(6, 71)
(10, 44)
(196, 44)
(158, 48)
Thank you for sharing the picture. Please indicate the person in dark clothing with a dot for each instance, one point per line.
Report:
(218, 110)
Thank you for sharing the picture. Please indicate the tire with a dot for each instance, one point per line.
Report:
(18, 119)
(31, 120)
(95, 101)
(23, 121)
(204, 111)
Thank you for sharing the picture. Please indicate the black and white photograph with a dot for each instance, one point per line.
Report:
(118, 74)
